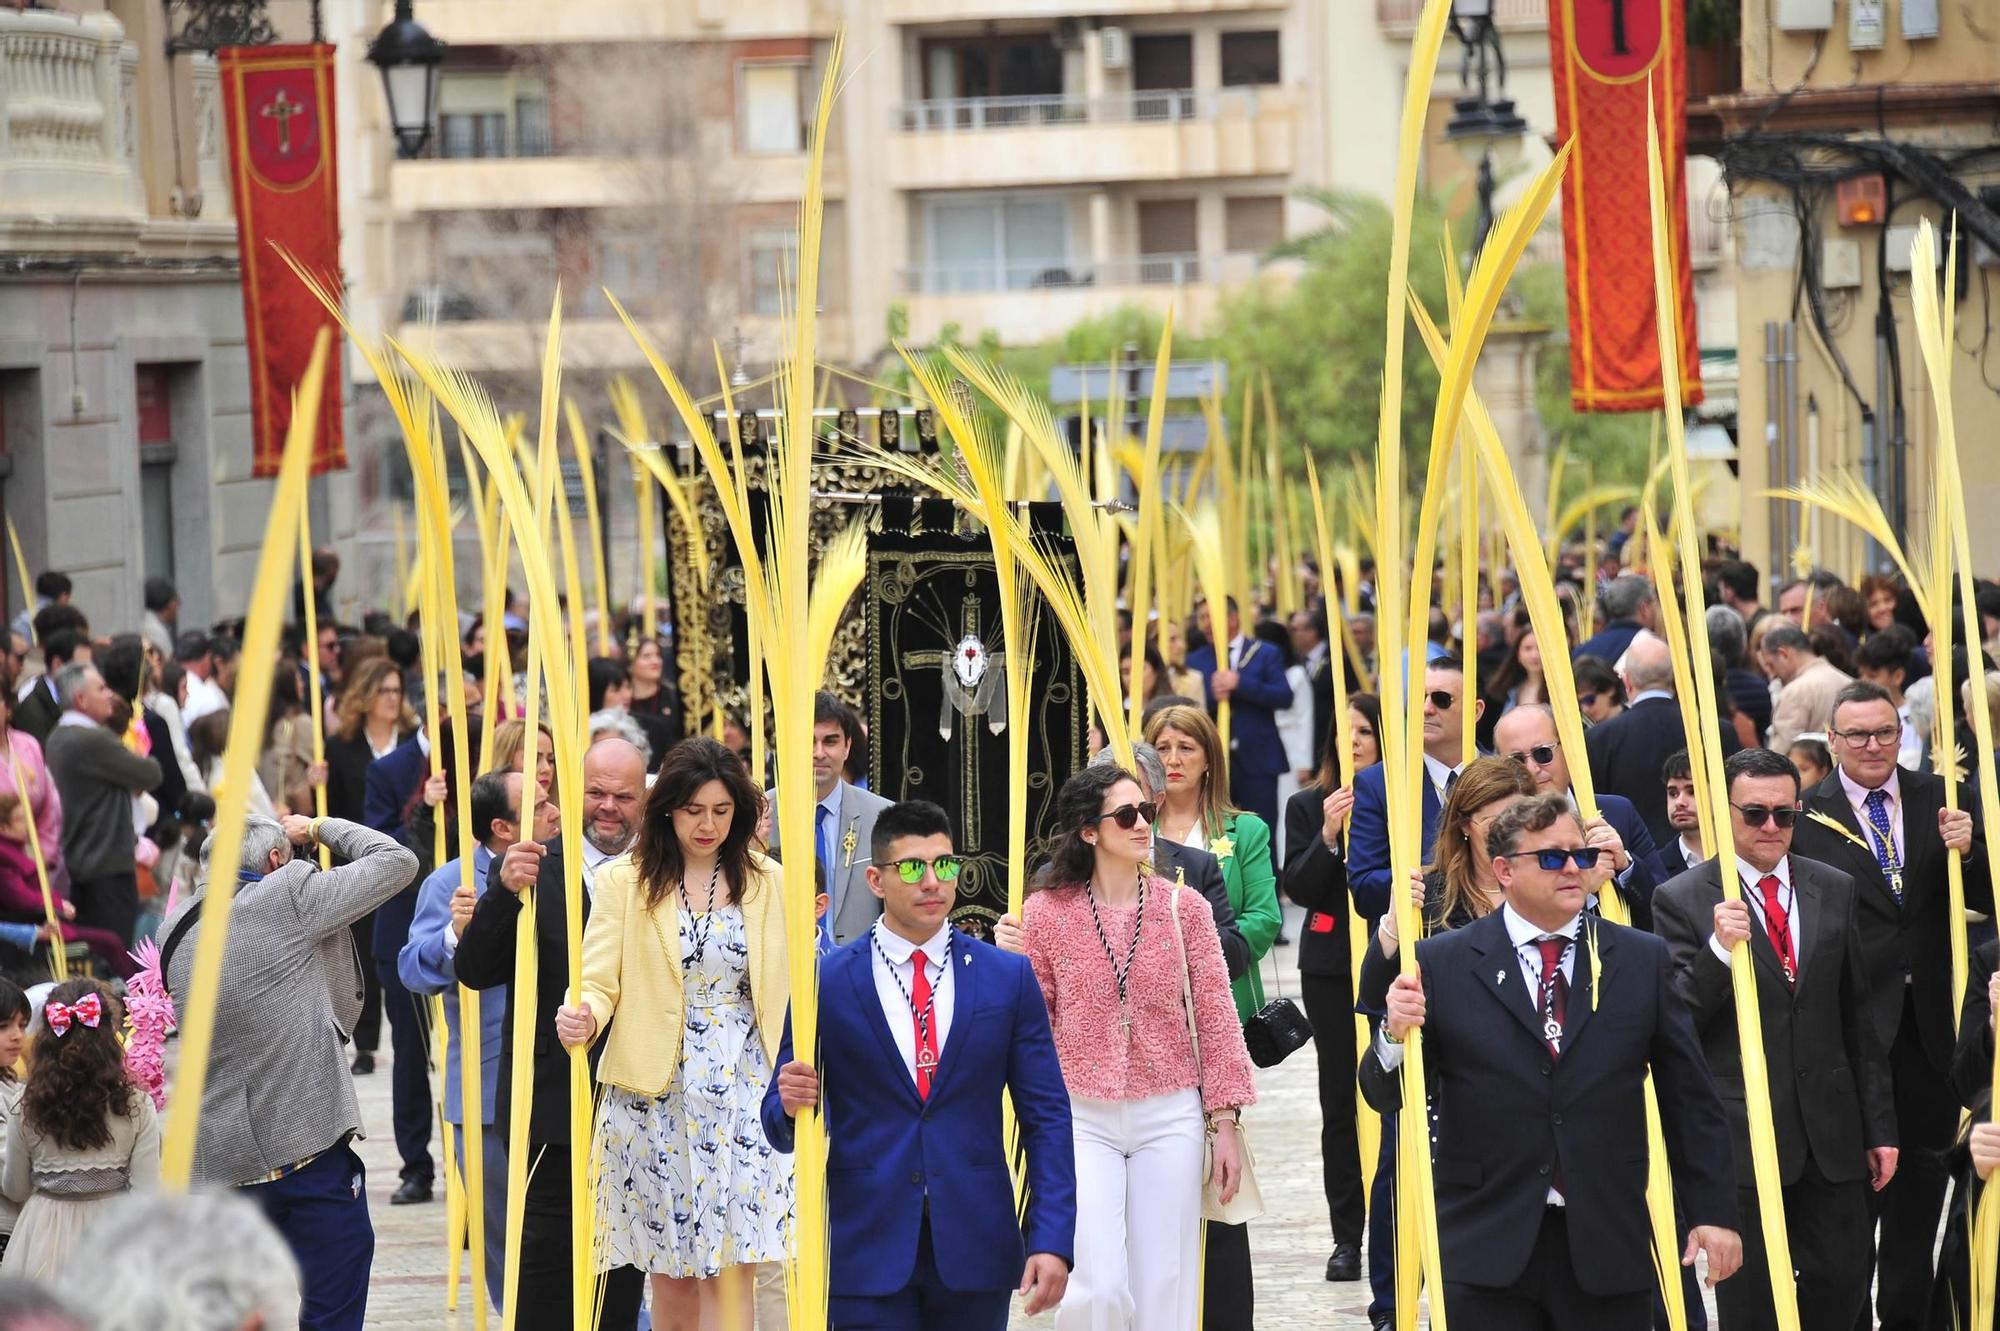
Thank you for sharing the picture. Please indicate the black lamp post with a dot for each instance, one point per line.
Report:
(409, 58)
(1481, 123)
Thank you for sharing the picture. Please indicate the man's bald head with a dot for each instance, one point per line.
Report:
(614, 791)
(1649, 666)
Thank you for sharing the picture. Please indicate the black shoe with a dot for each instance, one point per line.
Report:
(1284, 940)
(414, 1190)
(1345, 1264)
(364, 1063)
(1381, 1322)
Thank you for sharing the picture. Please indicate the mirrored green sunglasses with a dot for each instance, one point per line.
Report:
(912, 870)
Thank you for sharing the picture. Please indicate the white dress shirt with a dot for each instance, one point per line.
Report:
(901, 954)
(1749, 876)
(1690, 853)
(1857, 798)
(203, 696)
(593, 860)
(1439, 773)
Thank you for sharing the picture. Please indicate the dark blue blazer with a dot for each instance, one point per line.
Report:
(1368, 840)
(888, 1149)
(391, 782)
(1261, 691)
(1609, 643)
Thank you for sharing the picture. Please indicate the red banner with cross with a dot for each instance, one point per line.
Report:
(1609, 59)
(278, 106)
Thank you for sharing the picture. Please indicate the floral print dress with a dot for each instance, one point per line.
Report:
(686, 1183)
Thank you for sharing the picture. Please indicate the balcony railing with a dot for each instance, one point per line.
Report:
(65, 148)
(972, 114)
(1400, 16)
(1053, 274)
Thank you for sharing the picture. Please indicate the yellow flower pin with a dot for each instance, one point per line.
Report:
(1838, 827)
(1221, 847)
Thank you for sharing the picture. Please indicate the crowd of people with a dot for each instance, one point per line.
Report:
(1111, 1012)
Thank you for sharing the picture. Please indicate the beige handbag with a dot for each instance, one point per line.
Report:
(1248, 1203)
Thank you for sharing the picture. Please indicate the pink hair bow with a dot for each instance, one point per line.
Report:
(89, 1010)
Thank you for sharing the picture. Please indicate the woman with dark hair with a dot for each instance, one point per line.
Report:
(611, 691)
(1600, 694)
(1518, 682)
(1315, 876)
(286, 766)
(651, 694)
(1111, 945)
(84, 1135)
(688, 933)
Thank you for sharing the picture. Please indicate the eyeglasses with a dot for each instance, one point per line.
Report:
(1127, 816)
(1441, 700)
(1541, 755)
(1553, 859)
(1871, 739)
(1756, 815)
(1586, 700)
(911, 870)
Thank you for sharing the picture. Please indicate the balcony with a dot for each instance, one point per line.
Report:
(960, 11)
(588, 180)
(1399, 17)
(68, 159)
(514, 346)
(510, 23)
(1029, 302)
(1176, 134)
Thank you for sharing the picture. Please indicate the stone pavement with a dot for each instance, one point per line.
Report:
(1289, 1245)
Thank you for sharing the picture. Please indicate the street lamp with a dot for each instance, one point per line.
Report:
(408, 57)
(1481, 124)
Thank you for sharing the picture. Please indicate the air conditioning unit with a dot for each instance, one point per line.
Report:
(1804, 15)
(1115, 47)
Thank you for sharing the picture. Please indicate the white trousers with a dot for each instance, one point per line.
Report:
(1138, 1215)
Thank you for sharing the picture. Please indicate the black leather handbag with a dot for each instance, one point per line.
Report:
(1275, 1032)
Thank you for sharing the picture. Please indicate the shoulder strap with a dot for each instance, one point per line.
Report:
(1187, 984)
(176, 934)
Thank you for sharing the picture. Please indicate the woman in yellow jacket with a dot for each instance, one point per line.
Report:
(686, 936)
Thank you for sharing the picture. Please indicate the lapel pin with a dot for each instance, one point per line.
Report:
(1500, 977)
(966, 960)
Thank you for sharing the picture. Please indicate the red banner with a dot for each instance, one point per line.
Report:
(278, 106)
(1607, 57)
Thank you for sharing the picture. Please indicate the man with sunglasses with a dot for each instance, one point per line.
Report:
(1528, 736)
(1832, 1105)
(1540, 1026)
(1887, 828)
(919, 1199)
(1446, 714)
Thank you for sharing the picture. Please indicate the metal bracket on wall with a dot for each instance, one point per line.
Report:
(209, 25)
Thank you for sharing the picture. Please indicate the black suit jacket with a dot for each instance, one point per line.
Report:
(1201, 871)
(1972, 1059)
(1831, 1098)
(38, 713)
(1628, 751)
(1672, 859)
(485, 960)
(1912, 940)
(1509, 1115)
(1316, 878)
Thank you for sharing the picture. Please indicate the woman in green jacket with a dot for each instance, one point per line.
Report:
(1196, 812)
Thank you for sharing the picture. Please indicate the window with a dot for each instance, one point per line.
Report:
(1249, 59)
(1253, 223)
(773, 115)
(773, 264)
(628, 265)
(999, 244)
(492, 113)
(156, 468)
(1162, 62)
(531, 127)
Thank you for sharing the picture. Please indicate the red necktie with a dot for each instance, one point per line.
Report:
(925, 1021)
(1777, 926)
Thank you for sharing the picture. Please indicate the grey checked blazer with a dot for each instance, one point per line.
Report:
(278, 1088)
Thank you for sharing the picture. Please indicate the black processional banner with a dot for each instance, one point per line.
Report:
(936, 701)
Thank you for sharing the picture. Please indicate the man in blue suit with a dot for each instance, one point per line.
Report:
(1255, 686)
(1445, 720)
(922, 1031)
(1528, 736)
(428, 965)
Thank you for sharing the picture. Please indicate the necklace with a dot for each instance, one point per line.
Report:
(1123, 973)
(926, 1059)
(699, 924)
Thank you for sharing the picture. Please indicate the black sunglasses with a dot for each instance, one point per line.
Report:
(1127, 816)
(1586, 700)
(1586, 857)
(1757, 814)
(1541, 755)
(1441, 700)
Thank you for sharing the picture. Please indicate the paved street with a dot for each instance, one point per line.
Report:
(1289, 1245)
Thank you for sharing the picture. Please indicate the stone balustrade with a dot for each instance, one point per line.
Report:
(68, 147)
